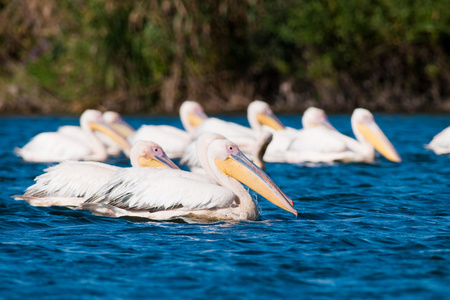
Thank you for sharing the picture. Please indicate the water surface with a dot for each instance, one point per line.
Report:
(364, 231)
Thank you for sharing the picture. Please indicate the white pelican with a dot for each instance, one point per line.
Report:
(192, 115)
(163, 193)
(112, 148)
(259, 148)
(172, 139)
(66, 183)
(259, 114)
(313, 118)
(112, 117)
(440, 144)
(321, 144)
(57, 146)
(251, 141)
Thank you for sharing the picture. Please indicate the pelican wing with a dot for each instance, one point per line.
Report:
(171, 139)
(190, 157)
(52, 147)
(146, 189)
(313, 145)
(74, 132)
(318, 140)
(229, 130)
(280, 143)
(243, 136)
(71, 179)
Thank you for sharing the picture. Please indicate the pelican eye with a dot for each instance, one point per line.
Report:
(157, 151)
(232, 149)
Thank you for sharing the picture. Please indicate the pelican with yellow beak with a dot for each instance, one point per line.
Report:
(324, 145)
(259, 115)
(162, 194)
(59, 146)
(66, 183)
(314, 120)
(251, 141)
(172, 139)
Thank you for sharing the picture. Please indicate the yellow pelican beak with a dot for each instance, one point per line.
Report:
(123, 128)
(157, 160)
(373, 134)
(241, 168)
(269, 119)
(111, 133)
(197, 118)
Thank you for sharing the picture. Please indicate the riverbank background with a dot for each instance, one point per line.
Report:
(134, 57)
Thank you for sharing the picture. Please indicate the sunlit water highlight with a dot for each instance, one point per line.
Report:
(364, 231)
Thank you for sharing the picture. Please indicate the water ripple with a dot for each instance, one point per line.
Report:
(364, 231)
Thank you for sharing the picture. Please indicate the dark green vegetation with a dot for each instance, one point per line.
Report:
(149, 56)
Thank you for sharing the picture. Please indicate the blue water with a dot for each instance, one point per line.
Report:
(364, 231)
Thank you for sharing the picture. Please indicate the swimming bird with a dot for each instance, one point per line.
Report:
(163, 193)
(252, 141)
(172, 139)
(192, 116)
(112, 117)
(321, 144)
(440, 144)
(66, 183)
(259, 114)
(313, 118)
(175, 140)
(60, 146)
(259, 148)
(112, 148)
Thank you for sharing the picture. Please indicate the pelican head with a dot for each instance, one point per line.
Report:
(225, 160)
(259, 113)
(315, 117)
(150, 154)
(367, 131)
(192, 115)
(114, 120)
(92, 119)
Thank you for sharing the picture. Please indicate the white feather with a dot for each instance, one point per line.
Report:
(69, 142)
(325, 144)
(161, 189)
(71, 179)
(440, 144)
(171, 139)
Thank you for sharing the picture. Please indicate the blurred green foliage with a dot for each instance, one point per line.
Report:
(141, 56)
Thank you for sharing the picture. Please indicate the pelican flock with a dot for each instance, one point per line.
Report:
(223, 157)
(323, 143)
(72, 143)
(164, 194)
(252, 141)
(172, 139)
